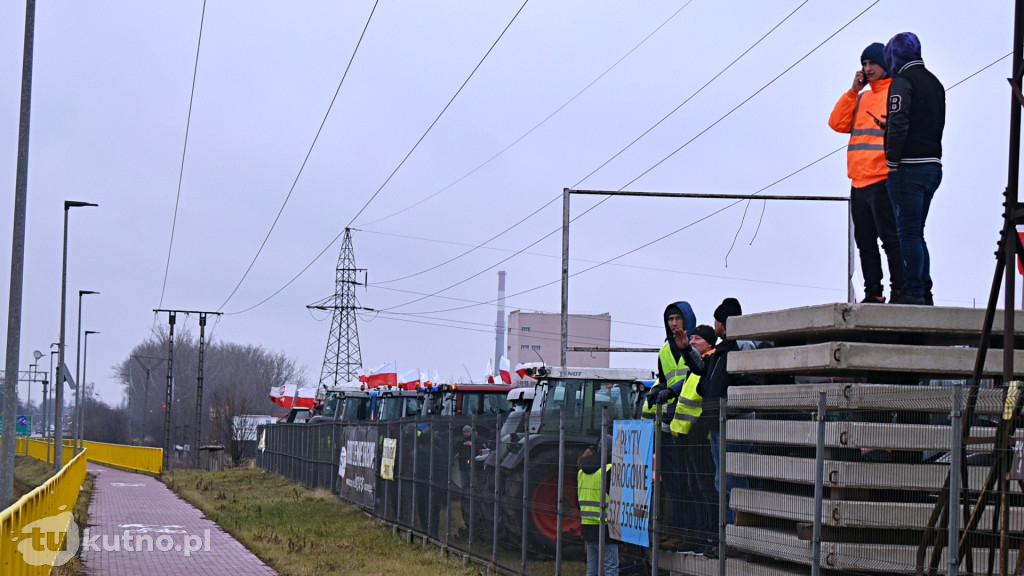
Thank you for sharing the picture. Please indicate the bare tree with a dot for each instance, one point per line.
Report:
(237, 379)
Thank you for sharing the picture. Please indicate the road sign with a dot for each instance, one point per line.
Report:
(23, 425)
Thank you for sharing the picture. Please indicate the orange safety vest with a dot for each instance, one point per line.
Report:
(865, 155)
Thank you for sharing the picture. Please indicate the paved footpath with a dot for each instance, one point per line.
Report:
(155, 519)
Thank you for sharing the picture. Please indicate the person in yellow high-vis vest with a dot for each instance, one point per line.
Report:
(588, 492)
(679, 319)
(691, 432)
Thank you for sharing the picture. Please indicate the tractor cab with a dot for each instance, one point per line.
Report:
(349, 402)
(394, 403)
(466, 399)
(580, 397)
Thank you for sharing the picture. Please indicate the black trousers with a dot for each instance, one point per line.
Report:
(700, 485)
(873, 218)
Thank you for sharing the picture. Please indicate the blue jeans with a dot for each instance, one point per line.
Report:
(911, 188)
(730, 481)
(611, 558)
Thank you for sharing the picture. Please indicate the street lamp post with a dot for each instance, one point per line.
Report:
(46, 411)
(58, 384)
(37, 355)
(81, 385)
(78, 363)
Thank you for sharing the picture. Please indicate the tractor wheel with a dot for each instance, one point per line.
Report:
(542, 506)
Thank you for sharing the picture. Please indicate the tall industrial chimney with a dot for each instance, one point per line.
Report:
(499, 325)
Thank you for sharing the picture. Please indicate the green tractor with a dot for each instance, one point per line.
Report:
(573, 398)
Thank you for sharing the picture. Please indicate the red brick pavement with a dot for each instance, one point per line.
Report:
(143, 507)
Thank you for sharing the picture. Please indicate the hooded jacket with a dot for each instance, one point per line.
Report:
(917, 106)
(689, 323)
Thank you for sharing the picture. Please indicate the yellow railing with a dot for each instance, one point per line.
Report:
(141, 458)
(35, 527)
(43, 449)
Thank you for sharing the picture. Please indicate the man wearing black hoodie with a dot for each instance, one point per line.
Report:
(913, 153)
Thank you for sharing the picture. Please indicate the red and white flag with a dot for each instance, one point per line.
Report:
(384, 375)
(425, 379)
(283, 395)
(306, 398)
(490, 371)
(504, 368)
(521, 369)
(286, 396)
(409, 379)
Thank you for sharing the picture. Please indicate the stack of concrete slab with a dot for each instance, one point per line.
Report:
(882, 368)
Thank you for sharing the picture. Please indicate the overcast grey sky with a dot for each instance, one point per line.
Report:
(111, 92)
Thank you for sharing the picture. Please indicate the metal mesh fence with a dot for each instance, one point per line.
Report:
(820, 477)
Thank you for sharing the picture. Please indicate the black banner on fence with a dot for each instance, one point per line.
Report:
(357, 465)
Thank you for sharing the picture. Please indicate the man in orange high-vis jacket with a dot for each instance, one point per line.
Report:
(861, 114)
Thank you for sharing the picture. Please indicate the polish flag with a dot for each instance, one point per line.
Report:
(306, 398)
(489, 376)
(409, 379)
(425, 379)
(384, 375)
(504, 368)
(521, 369)
(283, 395)
(286, 396)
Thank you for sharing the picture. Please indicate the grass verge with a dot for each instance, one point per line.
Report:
(29, 474)
(303, 532)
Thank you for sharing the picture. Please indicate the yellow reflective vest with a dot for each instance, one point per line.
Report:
(688, 407)
(588, 491)
(674, 372)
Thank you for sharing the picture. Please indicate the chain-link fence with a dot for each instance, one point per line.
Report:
(830, 477)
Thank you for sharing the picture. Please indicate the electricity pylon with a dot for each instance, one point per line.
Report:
(342, 359)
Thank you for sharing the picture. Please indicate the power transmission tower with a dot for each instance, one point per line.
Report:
(342, 359)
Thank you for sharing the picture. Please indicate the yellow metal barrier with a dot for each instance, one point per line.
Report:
(140, 458)
(35, 527)
(42, 449)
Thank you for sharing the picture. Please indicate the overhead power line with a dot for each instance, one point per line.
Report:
(304, 160)
(184, 148)
(537, 125)
(745, 52)
(443, 110)
(663, 237)
(393, 172)
(606, 162)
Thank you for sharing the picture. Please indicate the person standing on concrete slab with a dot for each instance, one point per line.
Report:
(715, 381)
(679, 319)
(913, 153)
(698, 466)
(858, 113)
